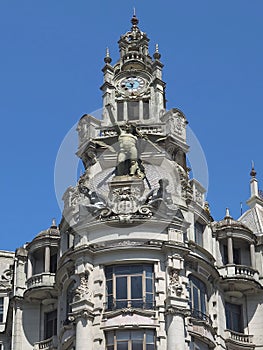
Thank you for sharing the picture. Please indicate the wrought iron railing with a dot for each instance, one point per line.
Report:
(115, 304)
(199, 315)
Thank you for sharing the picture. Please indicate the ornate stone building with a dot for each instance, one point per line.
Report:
(137, 262)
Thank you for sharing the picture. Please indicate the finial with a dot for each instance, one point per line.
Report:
(54, 224)
(107, 58)
(134, 19)
(156, 55)
(227, 216)
(253, 172)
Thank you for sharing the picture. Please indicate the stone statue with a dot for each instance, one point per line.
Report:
(128, 162)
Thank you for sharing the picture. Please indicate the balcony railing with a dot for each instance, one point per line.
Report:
(239, 271)
(199, 315)
(238, 337)
(116, 304)
(244, 271)
(45, 279)
(46, 344)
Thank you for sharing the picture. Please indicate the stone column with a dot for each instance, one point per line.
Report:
(17, 326)
(47, 259)
(29, 267)
(252, 255)
(175, 329)
(84, 338)
(230, 250)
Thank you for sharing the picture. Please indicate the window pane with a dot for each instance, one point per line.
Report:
(110, 337)
(136, 269)
(234, 319)
(150, 347)
(149, 336)
(149, 285)
(109, 286)
(195, 298)
(203, 304)
(122, 270)
(124, 335)
(146, 110)
(121, 288)
(120, 111)
(122, 346)
(149, 270)
(1, 309)
(108, 272)
(149, 301)
(136, 287)
(133, 110)
(137, 345)
(110, 302)
(135, 335)
(121, 304)
(137, 303)
(110, 347)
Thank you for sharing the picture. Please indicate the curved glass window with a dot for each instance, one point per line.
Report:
(130, 340)
(129, 286)
(198, 297)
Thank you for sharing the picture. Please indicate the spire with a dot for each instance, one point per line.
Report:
(253, 173)
(156, 54)
(253, 181)
(107, 58)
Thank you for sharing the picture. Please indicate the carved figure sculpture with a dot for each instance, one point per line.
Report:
(128, 162)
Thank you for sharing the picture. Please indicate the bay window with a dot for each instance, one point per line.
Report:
(129, 286)
(130, 340)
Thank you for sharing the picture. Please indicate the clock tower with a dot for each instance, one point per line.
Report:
(134, 85)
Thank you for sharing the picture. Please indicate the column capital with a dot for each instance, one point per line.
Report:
(81, 314)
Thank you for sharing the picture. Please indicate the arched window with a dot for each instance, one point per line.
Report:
(198, 297)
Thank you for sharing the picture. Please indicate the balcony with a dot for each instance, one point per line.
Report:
(47, 344)
(239, 340)
(45, 279)
(200, 327)
(241, 277)
(116, 304)
(200, 316)
(40, 285)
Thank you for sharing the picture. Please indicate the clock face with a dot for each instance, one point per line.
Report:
(132, 84)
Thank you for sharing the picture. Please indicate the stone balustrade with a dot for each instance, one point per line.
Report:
(47, 344)
(240, 271)
(238, 337)
(41, 280)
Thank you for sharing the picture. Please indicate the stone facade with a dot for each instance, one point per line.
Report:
(137, 261)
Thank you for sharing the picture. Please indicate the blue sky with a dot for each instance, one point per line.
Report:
(50, 73)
